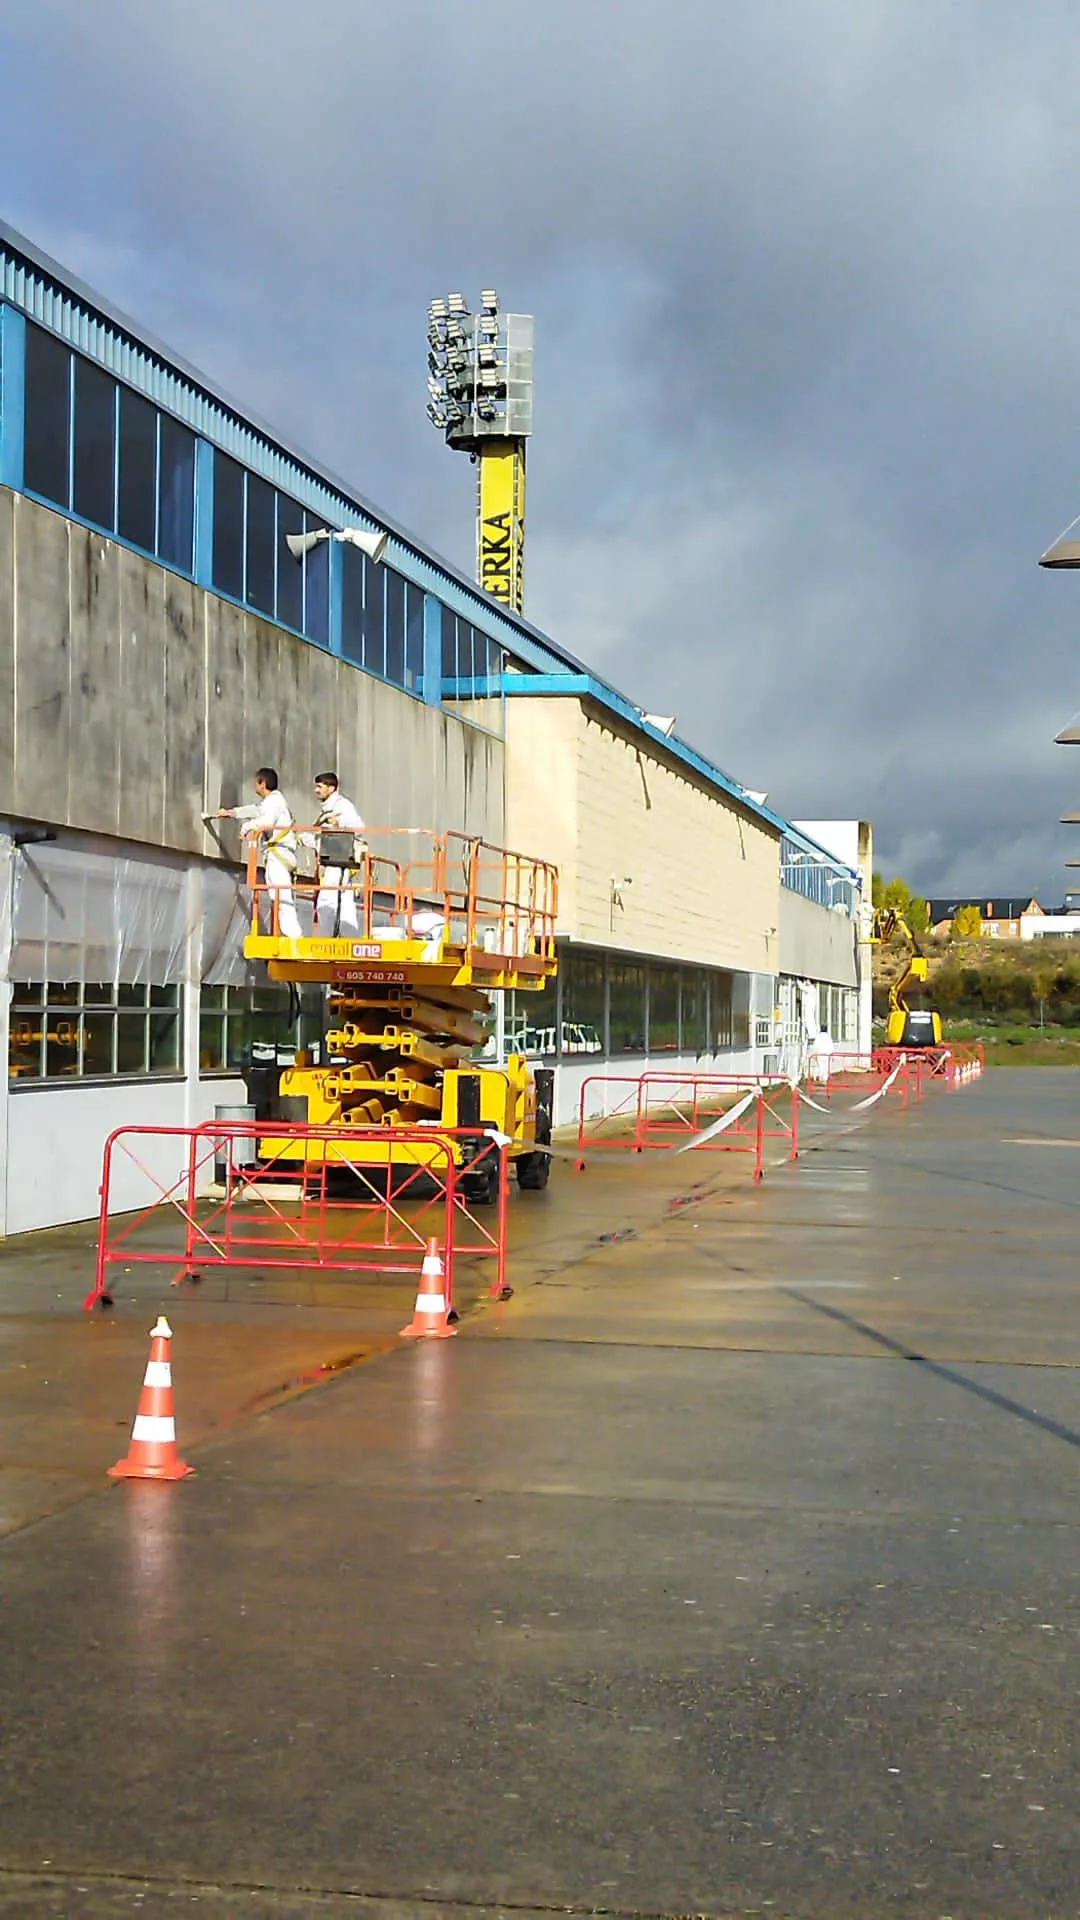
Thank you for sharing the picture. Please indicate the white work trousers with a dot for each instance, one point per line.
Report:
(279, 877)
(335, 908)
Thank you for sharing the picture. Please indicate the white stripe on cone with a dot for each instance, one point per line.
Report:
(153, 1427)
(431, 1303)
(158, 1374)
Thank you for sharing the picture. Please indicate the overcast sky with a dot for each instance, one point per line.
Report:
(806, 292)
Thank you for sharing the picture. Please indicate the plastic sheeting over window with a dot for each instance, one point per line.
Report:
(80, 914)
(226, 918)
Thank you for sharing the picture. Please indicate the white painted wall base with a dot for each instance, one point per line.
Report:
(57, 1135)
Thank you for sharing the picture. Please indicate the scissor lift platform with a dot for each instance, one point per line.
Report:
(428, 926)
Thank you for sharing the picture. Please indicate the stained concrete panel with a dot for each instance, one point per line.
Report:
(265, 727)
(164, 699)
(94, 609)
(185, 710)
(142, 699)
(42, 664)
(226, 773)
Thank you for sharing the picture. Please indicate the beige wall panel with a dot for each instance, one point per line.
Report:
(815, 942)
(703, 877)
(7, 649)
(142, 717)
(94, 603)
(542, 790)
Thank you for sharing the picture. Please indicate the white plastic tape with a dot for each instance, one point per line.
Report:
(725, 1120)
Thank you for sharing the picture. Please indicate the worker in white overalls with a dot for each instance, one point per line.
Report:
(270, 817)
(338, 822)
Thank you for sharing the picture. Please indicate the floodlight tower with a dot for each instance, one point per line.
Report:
(481, 385)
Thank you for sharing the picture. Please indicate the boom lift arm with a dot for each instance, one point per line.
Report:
(907, 1026)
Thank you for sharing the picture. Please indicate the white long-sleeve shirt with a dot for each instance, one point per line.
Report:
(270, 815)
(340, 814)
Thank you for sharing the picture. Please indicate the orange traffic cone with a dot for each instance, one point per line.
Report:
(152, 1454)
(433, 1314)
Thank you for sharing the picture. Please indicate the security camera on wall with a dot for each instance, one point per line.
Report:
(664, 724)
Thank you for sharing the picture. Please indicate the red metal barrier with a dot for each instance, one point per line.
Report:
(271, 1211)
(675, 1111)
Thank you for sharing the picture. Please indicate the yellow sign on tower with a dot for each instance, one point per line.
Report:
(480, 383)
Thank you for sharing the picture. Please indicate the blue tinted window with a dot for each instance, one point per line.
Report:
(228, 566)
(48, 417)
(138, 470)
(352, 604)
(290, 572)
(374, 617)
(395, 627)
(317, 591)
(176, 494)
(449, 644)
(414, 635)
(95, 444)
(260, 544)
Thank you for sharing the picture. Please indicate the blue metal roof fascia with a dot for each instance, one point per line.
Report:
(42, 289)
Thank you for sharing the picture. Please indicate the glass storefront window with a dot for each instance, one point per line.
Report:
(65, 1030)
(663, 1009)
(695, 1011)
(583, 1016)
(626, 1006)
(531, 1021)
(723, 1025)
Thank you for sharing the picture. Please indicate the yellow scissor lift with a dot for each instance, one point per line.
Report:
(428, 927)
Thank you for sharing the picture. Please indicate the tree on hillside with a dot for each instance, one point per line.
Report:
(897, 896)
(877, 890)
(967, 923)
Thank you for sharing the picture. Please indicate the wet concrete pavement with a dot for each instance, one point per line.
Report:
(731, 1567)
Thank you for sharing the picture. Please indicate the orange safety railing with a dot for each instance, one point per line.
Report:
(412, 884)
(723, 1112)
(228, 1194)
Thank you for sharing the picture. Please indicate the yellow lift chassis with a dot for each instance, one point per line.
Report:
(429, 926)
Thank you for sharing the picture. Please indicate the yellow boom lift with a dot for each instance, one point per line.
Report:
(907, 1026)
(442, 923)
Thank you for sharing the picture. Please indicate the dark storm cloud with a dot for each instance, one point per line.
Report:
(808, 375)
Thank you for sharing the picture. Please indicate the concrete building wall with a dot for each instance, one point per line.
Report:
(651, 860)
(132, 701)
(816, 942)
